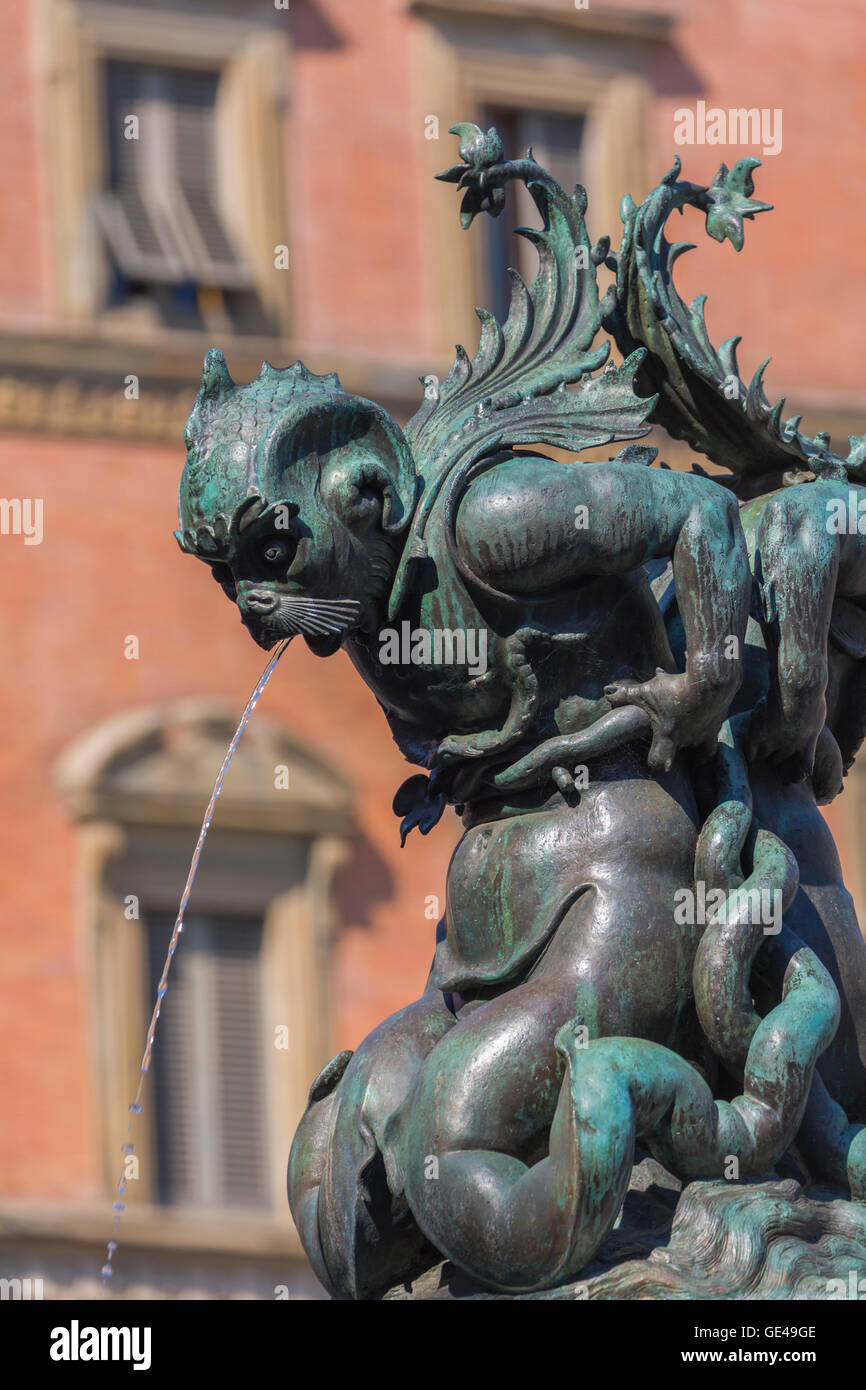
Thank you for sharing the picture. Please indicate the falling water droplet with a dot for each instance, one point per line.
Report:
(136, 1106)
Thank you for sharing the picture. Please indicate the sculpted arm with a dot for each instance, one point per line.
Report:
(532, 525)
(808, 550)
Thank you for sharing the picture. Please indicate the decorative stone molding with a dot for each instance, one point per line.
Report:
(156, 766)
(72, 407)
(75, 385)
(72, 39)
(138, 784)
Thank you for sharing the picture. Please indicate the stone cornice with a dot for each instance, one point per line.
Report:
(66, 385)
(609, 23)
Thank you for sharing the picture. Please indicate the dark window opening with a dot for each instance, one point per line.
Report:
(556, 141)
(208, 1076)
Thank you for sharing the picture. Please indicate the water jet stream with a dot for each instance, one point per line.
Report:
(136, 1106)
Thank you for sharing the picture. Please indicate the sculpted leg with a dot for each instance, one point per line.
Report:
(484, 1102)
(480, 1109)
(797, 565)
(359, 1239)
(519, 1225)
(307, 1159)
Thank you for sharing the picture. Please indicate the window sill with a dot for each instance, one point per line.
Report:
(152, 1227)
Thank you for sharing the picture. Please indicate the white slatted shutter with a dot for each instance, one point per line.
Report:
(159, 212)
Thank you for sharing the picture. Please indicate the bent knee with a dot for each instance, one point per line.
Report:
(386, 1064)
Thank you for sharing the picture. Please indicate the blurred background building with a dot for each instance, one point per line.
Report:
(260, 176)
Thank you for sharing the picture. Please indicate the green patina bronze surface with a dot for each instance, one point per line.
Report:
(635, 685)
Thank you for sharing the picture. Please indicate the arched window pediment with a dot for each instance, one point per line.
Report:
(157, 765)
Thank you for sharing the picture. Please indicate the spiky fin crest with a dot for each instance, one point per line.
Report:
(254, 405)
(701, 396)
(235, 436)
(530, 381)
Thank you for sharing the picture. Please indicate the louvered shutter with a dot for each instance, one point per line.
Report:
(193, 100)
(159, 213)
(208, 1074)
(141, 237)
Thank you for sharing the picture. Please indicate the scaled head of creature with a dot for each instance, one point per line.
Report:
(299, 496)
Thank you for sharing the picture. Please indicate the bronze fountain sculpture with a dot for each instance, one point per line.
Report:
(673, 681)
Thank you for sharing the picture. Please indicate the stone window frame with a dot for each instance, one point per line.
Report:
(72, 39)
(500, 53)
(130, 828)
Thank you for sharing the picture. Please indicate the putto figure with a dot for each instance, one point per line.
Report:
(668, 682)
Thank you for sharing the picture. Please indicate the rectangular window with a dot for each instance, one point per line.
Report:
(556, 142)
(159, 209)
(208, 1071)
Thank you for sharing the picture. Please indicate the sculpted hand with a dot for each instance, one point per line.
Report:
(684, 713)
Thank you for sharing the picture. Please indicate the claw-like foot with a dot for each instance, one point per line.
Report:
(786, 733)
(681, 710)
